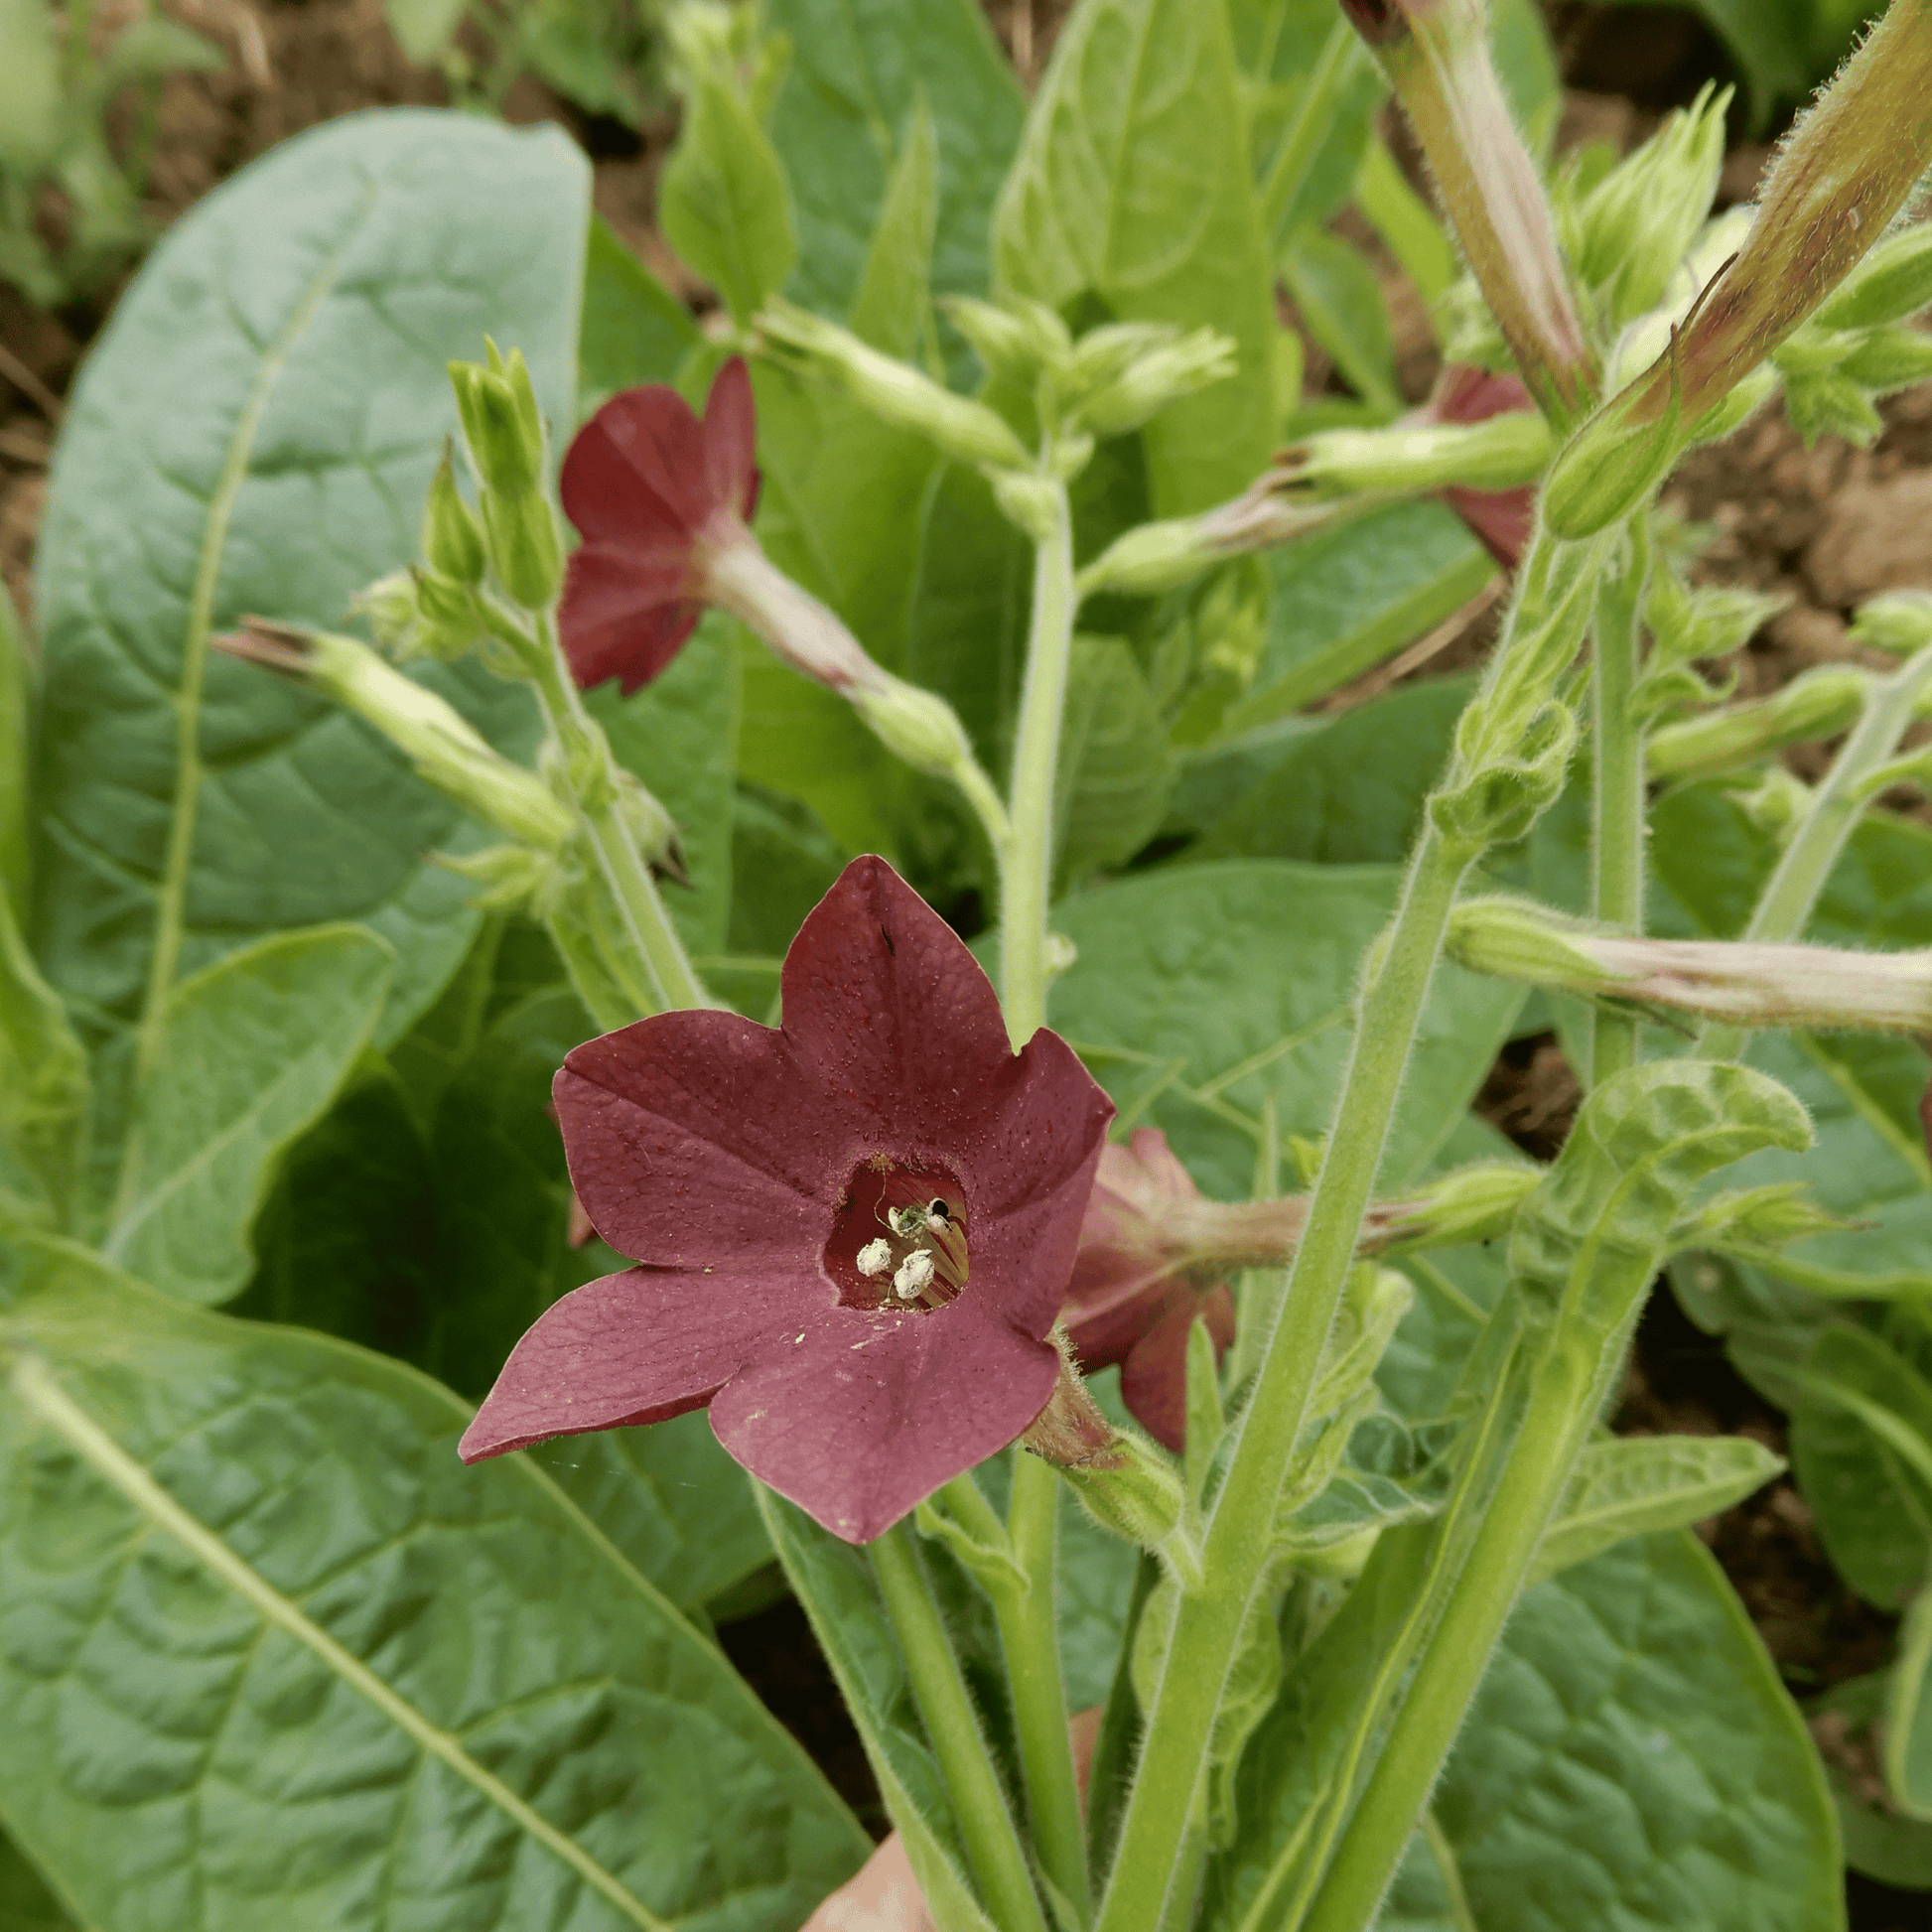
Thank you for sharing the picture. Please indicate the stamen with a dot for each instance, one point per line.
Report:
(915, 1276)
(905, 1222)
(875, 1258)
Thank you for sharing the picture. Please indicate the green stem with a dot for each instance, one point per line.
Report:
(1555, 1423)
(1210, 1620)
(1031, 1639)
(1027, 857)
(669, 979)
(985, 1824)
(1617, 787)
(1785, 905)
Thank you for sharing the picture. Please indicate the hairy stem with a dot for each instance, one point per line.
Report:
(986, 1825)
(1617, 785)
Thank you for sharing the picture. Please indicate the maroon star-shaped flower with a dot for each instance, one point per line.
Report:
(853, 1232)
(657, 495)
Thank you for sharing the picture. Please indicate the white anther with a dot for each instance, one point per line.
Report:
(915, 1276)
(875, 1258)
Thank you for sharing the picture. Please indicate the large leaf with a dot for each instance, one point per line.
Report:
(1116, 768)
(1206, 995)
(256, 431)
(843, 121)
(275, 1656)
(1633, 1764)
(250, 1052)
(1353, 789)
(26, 1903)
(1133, 185)
(44, 1091)
(635, 329)
(1862, 1445)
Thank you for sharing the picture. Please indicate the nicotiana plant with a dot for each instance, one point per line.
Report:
(480, 947)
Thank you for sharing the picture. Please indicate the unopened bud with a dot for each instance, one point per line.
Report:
(1030, 502)
(1757, 1221)
(525, 546)
(514, 879)
(442, 746)
(1901, 622)
(1502, 451)
(1892, 282)
(1516, 939)
(1160, 367)
(1778, 803)
(1019, 340)
(505, 440)
(1711, 620)
(1889, 358)
(918, 727)
(1817, 704)
(1473, 1203)
(419, 614)
(1637, 224)
(1508, 792)
(893, 390)
(1609, 468)
(652, 827)
(1155, 557)
(451, 543)
(1831, 404)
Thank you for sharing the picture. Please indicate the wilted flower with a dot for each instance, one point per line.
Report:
(853, 1232)
(1141, 1279)
(657, 495)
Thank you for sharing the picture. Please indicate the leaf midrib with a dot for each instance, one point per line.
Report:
(36, 1386)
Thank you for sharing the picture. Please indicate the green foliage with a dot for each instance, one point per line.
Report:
(387, 1649)
(218, 426)
(44, 1092)
(248, 1053)
(1132, 185)
(635, 329)
(1206, 998)
(1116, 768)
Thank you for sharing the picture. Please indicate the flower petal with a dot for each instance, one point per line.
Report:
(857, 1433)
(696, 1140)
(730, 439)
(636, 1347)
(625, 614)
(1153, 1377)
(614, 496)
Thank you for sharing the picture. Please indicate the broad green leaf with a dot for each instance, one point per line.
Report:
(423, 28)
(1116, 768)
(783, 862)
(635, 329)
(1637, 1484)
(892, 309)
(44, 1091)
(1350, 791)
(835, 1584)
(250, 1052)
(1862, 1446)
(256, 431)
(426, 1059)
(1427, 1895)
(276, 1656)
(1632, 1763)
(1896, 1851)
(1314, 107)
(1586, 1244)
(1908, 1719)
(1342, 306)
(26, 1902)
(858, 67)
(1132, 184)
(1388, 1473)
(1205, 994)
(1345, 599)
(679, 735)
(723, 201)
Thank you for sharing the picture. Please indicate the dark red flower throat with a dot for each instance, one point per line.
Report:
(899, 1236)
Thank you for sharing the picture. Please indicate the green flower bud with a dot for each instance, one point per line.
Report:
(506, 445)
(420, 614)
(1506, 795)
(653, 828)
(1636, 225)
(1899, 621)
(1473, 1203)
(918, 727)
(1889, 358)
(445, 748)
(525, 546)
(1030, 502)
(1502, 451)
(1821, 702)
(452, 542)
(393, 613)
(1609, 468)
(1756, 1220)
(893, 390)
(1019, 340)
(1893, 281)
(1129, 381)
(1516, 939)
(514, 877)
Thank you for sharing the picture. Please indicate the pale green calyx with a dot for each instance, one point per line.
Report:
(893, 390)
(1502, 451)
(1018, 341)
(452, 542)
(1901, 622)
(1819, 701)
(918, 727)
(1123, 374)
